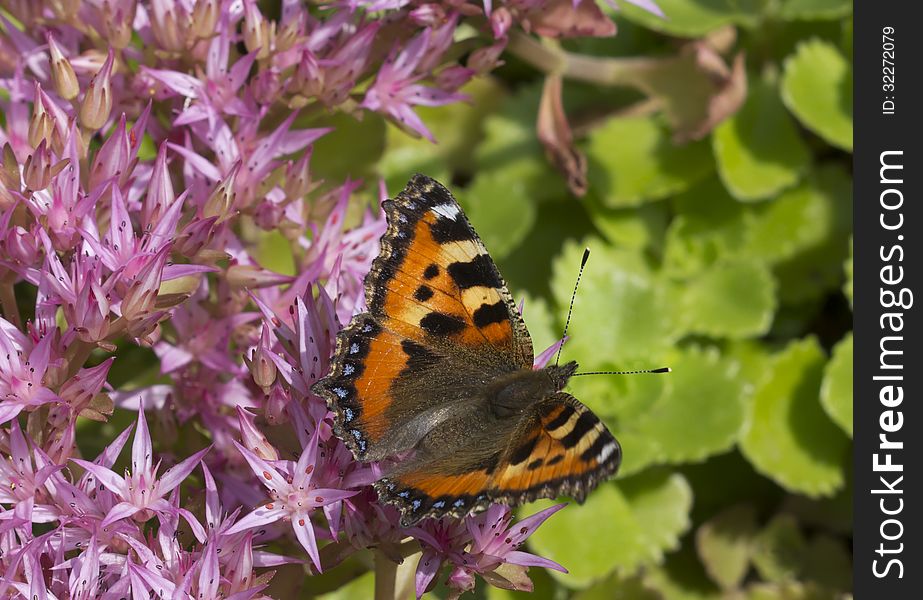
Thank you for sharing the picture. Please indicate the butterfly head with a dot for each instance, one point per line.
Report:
(561, 373)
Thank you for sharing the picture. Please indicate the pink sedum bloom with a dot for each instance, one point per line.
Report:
(293, 496)
(141, 493)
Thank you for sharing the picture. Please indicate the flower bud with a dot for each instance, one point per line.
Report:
(258, 32)
(298, 177)
(500, 22)
(62, 72)
(9, 169)
(261, 366)
(119, 22)
(40, 123)
(204, 19)
(221, 201)
(38, 170)
(97, 102)
(428, 15)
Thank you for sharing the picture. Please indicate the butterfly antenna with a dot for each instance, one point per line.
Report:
(570, 309)
(660, 370)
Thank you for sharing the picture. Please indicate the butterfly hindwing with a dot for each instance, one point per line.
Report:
(558, 448)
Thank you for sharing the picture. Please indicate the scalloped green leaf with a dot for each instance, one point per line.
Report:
(789, 438)
(816, 270)
(790, 590)
(501, 210)
(810, 10)
(724, 544)
(735, 298)
(622, 525)
(799, 218)
(618, 587)
(621, 315)
(836, 393)
(758, 150)
(681, 577)
(632, 228)
(693, 18)
(817, 88)
(780, 550)
(633, 161)
(650, 414)
(709, 224)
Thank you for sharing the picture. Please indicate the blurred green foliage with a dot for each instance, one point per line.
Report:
(727, 258)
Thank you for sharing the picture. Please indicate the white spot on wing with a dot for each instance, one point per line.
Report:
(449, 211)
(606, 452)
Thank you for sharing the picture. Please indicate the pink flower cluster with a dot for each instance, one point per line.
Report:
(145, 145)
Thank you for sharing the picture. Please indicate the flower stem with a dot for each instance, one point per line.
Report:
(385, 576)
(591, 69)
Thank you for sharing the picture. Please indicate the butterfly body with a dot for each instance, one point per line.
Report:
(438, 376)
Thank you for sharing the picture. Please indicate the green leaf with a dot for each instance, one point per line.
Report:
(621, 316)
(798, 219)
(836, 395)
(681, 577)
(457, 128)
(351, 150)
(623, 525)
(693, 18)
(733, 299)
(780, 550)
(632, 228)
(633, 161)
(758, 150)
(500, 209)
(725, 543)
(650, 414)
(815, 9)
(817, 88)
(543, 327)
(618, 587)
(828, 563)
(816, 270)
(790, 590)
(790, 438)
(708, 226)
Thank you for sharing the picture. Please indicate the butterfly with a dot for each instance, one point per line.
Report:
(438, 375)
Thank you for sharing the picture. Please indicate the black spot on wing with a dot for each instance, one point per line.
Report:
(477, 272)
(524, 451)
(441, 324)
(445, 230)
(561, 419)
(423, 293)
(418, 357)
(555, 460)
(487, 314)
(489, 464)
(535, 464)
(431, 271)
(585, 423)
